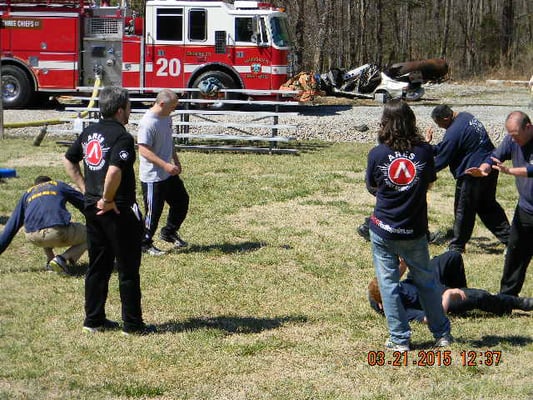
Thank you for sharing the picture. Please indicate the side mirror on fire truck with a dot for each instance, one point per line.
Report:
(257, 37)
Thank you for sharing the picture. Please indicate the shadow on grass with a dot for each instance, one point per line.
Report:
(487, 245)
(3, 219)
(78, 269)
(322, 110)
(303, 109)
(490, 341)
(309, 147)
(231, 324)
(494, 340)
(226, 248)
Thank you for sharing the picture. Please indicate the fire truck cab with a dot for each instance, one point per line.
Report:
(66, 46)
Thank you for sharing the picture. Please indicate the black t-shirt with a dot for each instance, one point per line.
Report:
(99, 146)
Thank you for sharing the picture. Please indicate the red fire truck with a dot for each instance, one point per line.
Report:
(64, 46)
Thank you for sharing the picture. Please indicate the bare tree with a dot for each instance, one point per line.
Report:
(379, 32)
(470, 34)
(507, 29)
(448, 4)
(300, 31)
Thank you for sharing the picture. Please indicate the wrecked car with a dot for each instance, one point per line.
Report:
(399, 80)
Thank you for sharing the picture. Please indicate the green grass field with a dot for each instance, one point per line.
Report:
(268, 302)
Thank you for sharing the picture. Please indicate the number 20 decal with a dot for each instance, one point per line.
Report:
(167, 67)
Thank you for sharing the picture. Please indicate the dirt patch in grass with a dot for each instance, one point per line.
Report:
(45, 159)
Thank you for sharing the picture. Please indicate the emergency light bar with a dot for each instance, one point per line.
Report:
(250, 5)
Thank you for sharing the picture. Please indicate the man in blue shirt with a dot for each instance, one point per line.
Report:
(518, 147)
(47, 222)
(466, 144)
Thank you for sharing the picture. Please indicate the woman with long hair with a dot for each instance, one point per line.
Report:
(400, 170)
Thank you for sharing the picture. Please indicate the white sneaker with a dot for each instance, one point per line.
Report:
(108, 325)
(153, 251)
(390, 345)
(444, 341)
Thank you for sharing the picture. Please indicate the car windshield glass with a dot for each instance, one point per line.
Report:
(280, 31)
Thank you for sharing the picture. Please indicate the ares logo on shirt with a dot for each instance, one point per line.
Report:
(95, 151)
(402, 171)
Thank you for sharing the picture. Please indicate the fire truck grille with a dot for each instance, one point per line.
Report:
(104, 26)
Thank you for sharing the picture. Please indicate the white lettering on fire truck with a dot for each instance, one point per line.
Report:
(18, 23)
(167, 67)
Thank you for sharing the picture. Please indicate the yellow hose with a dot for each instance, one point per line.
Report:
(57, 121)
(94, 94)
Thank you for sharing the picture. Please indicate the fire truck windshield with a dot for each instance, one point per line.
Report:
(280, 31)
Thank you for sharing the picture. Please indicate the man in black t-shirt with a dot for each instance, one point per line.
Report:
(114, 223)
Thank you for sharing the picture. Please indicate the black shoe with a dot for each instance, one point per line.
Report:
(525, 303)
(59, 264)
(108, 325)
(364, 230)
(517, 303)
(174, 239)
(144, 330)
(437, 237)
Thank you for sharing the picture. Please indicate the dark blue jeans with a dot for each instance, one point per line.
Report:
(385, 253)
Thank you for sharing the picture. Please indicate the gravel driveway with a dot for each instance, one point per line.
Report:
(339, 119)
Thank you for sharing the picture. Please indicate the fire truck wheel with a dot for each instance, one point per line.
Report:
(227, 83)
(16, 87)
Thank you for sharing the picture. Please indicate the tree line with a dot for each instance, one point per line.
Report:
(476, 37)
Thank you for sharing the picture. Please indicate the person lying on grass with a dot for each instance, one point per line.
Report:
(457, 298)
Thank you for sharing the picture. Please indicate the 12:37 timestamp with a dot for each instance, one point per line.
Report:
(429, 358)
(471, 358)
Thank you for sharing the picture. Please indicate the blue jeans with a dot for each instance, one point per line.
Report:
(385, 253)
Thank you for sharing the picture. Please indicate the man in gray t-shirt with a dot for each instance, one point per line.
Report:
(159, 173)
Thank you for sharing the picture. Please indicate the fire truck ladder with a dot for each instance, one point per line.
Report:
(45, 3)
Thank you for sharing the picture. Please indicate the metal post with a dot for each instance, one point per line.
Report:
(275, 120)
(1, 85)
(1, 100)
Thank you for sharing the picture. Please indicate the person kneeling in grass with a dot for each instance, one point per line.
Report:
(47, 223)
(457, 298)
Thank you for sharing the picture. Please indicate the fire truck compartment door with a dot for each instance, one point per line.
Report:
(105, 57)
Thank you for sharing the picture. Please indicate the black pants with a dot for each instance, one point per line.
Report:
(114, 237)
(155, 194)
(479, 299)
(477, 196)
(519, 251)
(451, 273)
(450, 269)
